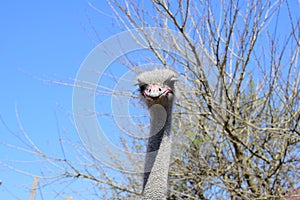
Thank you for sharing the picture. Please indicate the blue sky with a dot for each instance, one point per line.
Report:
(47, 40)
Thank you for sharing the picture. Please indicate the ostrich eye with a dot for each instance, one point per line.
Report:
(142, 87)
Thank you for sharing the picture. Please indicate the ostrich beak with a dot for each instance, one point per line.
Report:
(154, 92)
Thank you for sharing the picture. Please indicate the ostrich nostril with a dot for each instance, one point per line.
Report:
(149, 90)
(159, 89)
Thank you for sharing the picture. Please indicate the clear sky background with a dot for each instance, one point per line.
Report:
(48, 40)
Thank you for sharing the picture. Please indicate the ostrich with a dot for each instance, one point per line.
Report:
(157, 89)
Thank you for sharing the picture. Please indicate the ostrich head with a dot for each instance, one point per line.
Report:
(157, 86)
(157, 89)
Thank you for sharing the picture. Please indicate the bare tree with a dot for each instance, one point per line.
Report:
(238, 114)
(241, 113)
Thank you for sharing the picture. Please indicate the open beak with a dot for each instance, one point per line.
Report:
(155, 91)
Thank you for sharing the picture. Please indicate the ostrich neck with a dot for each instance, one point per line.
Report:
(158, 153)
